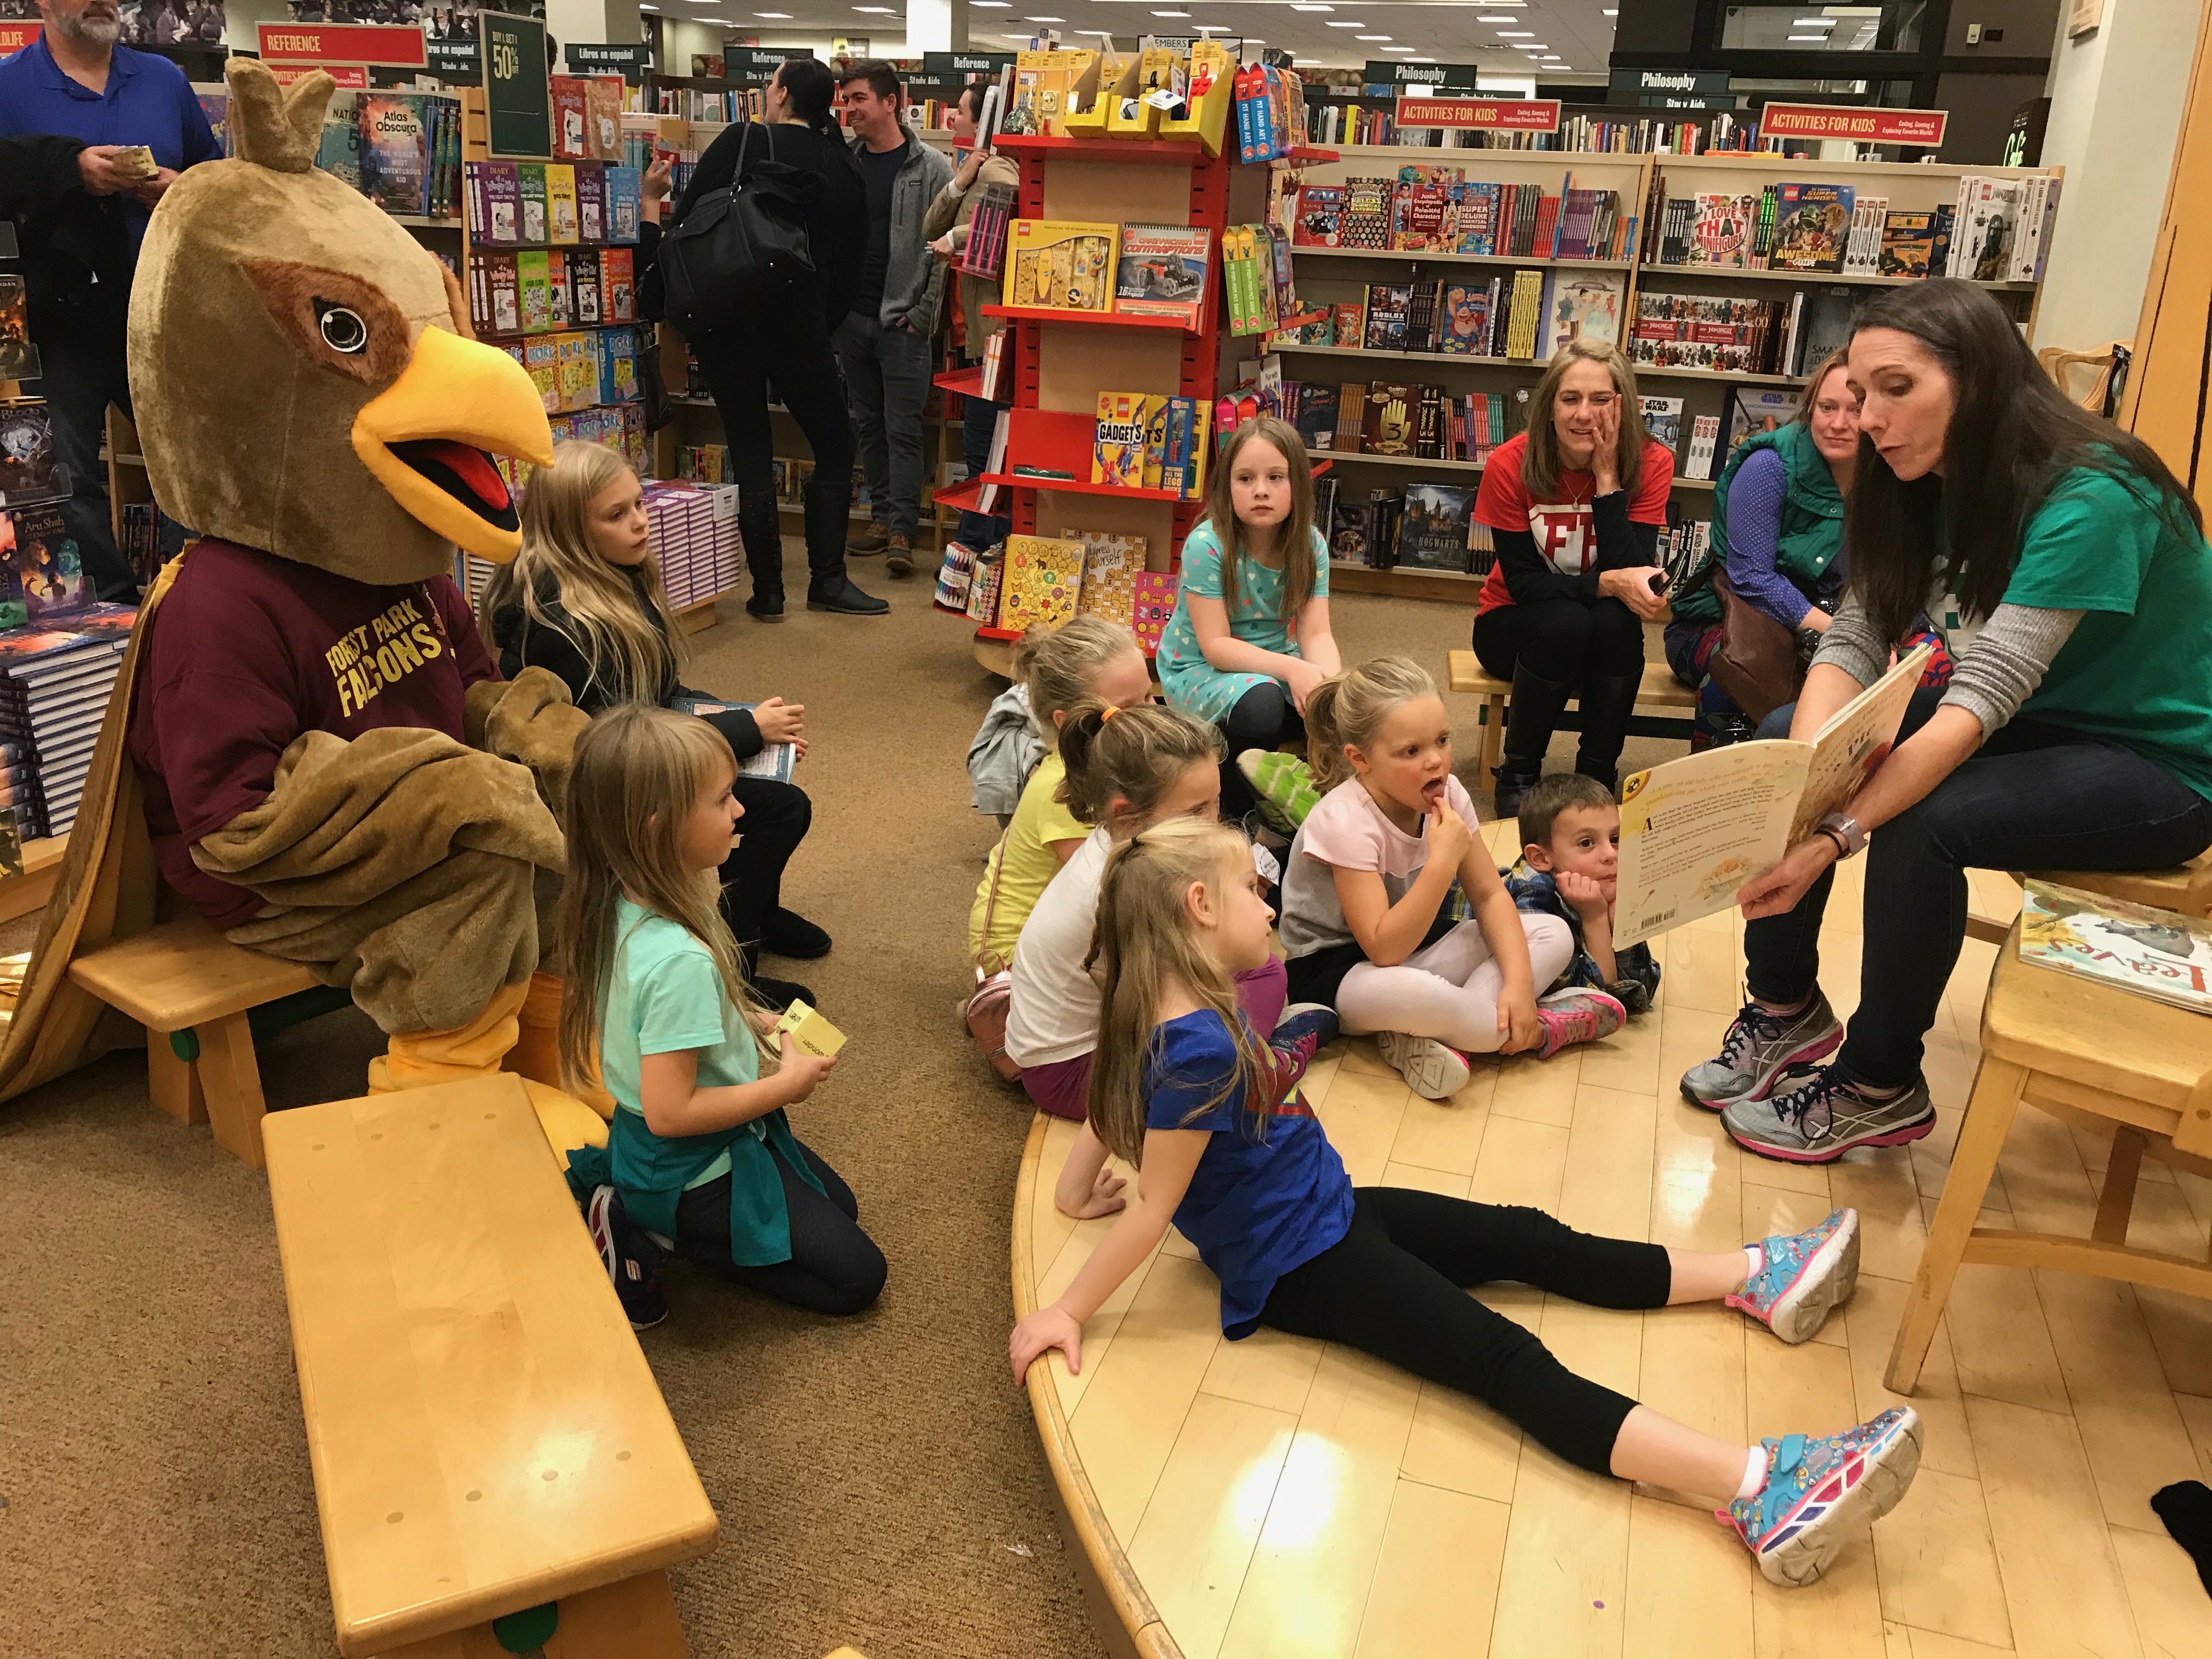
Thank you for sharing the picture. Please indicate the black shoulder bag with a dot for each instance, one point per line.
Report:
(739, 250)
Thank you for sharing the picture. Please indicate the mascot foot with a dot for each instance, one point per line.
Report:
(420, 1060)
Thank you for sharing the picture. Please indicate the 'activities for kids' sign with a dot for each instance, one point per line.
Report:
(1481, 114)
(1922, 128)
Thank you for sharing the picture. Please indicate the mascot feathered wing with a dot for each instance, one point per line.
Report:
(308, 741)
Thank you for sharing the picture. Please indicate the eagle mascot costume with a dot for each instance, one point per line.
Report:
(309, 744)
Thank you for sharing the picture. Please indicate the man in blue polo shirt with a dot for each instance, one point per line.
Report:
(79, 250)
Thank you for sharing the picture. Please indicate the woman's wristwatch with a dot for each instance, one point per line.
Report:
(1843, 830)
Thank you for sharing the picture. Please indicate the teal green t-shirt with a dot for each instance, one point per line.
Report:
(664, 995)
(2138, 667)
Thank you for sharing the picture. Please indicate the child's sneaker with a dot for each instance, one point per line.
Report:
(1303, 1030)
(1284, 784)
(1758, 1048)
(626, 1263)
(1820, 1490)
(1803, 1277)
(1430, 1069)
(1576, 1015)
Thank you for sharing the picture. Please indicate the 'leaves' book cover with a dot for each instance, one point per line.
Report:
(2132, 947)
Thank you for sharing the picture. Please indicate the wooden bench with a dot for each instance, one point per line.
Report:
(495, 1470)
(203, 1001)
(1661, 690)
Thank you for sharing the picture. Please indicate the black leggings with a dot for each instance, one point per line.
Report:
(1563, 640)
(1395, 1286)
(777, 816)
(835, 1267)
(792, 350)
(1263, 718)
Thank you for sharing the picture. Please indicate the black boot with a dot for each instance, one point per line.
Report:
(845, 600)
(762, 531)
(1607, 701)
(1529, 722)
(776, 993)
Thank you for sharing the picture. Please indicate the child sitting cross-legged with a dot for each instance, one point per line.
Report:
(700, 1152)
(1569, 864)
(1185, 1088)
(1368, 923)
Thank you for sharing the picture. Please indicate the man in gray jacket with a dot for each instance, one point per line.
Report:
(887, 343)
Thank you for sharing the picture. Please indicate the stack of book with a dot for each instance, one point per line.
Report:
(1708, 332)
(693, 532)
(1430, 208)
(401, 150)
(54, 687)
(1383, 418)
(1525, 315)
(2003, 228)
(1423, 526)
(1351, 123)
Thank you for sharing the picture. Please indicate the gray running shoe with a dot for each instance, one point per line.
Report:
(1814, 1115)
(1758, 1048)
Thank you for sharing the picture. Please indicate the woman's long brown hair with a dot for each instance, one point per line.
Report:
(1540, 464)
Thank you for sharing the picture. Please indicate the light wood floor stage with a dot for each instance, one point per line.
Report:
(1280, 1499)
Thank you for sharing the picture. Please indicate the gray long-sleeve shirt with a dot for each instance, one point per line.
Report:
(1998, 672)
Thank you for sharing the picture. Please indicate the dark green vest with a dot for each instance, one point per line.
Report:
(1812, 521)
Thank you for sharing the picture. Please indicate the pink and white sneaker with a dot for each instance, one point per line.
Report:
(1576, 1015)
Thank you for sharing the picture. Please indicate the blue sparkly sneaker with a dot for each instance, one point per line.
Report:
(1820, 1490)
(1804, 1277)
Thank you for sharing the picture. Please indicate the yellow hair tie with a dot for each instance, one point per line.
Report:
(1111, 710)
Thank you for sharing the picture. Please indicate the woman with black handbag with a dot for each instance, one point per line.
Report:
(758, 309)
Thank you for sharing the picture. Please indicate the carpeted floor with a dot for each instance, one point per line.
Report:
(878, 1479)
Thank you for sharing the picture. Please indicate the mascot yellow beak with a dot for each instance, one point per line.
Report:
(423, 437)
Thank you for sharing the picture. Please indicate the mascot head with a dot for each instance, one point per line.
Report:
(302, 371)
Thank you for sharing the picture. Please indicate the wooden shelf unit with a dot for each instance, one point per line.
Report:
(1330, 275)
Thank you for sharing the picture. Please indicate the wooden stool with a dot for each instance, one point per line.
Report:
(494, 1468)
(2053, 1040)
(2186, 888)
(1661, 690)
(203, 1001)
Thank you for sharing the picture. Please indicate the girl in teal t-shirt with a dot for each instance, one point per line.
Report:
(2067, 570)
(700, 1155)
(1250, 637)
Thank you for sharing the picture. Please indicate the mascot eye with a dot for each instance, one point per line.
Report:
(343, 330)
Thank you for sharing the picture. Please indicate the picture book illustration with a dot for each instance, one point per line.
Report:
(2153, 953)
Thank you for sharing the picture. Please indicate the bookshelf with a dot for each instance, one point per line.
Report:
(1329, 275)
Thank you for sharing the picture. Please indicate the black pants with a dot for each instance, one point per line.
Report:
(1395, 1286)
(776, 818)
(792, 350)
(1563, 640)
(835, 1267)
(82, 358)
(2033, 797)
(1263, 718)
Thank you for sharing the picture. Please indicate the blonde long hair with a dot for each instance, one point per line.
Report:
(631, 659)
(1540, 458)
(1350, 708)
(1145, 943)
(638, 773)
(1294, 542)
(1057, 666)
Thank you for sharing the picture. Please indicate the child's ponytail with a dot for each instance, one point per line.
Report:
(1349, 709)
(1145, 943)
(1134, 755)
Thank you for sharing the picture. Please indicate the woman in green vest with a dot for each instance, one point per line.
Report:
(2067, 570)
(1778, 532)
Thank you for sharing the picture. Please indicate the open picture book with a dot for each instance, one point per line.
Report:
(1696, 830)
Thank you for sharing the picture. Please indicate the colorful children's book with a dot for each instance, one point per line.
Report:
(530, 186)
(560, 202)
(393, 154)
(591, 205)
(1320, 210)
(1907, 239)
(1366, 219)
(1587, 306)
(1068, 267)
(1043, 581)
(1111, 565)
(28, 471)
(1118, 448)
(19, 358)
(617, 281)
(2158, 954)
(1662, 419)
(1162, 270)
(1433, 533)
(1812, 222)
(46, 564)
(567, 97)
(622, 186)
(1155, 601)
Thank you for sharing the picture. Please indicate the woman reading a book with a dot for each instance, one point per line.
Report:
(2067, 571)
(583, 600)
(789, 346)
(1574, 506)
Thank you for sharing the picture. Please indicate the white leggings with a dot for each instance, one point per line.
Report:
(1449, 990)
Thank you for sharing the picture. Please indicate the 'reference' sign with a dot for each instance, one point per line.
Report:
(343, 43)
(1922, 128)
(1481, 114)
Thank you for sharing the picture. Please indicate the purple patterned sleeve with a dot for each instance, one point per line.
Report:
(1754, 527)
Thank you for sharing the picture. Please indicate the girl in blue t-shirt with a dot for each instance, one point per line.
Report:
(1230, 1155)
(1250, 637)
(700, 1154)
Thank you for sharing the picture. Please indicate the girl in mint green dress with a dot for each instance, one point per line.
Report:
(700, 1158)
(1250, 637)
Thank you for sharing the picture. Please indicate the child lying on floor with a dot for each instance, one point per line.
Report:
(1567, 868)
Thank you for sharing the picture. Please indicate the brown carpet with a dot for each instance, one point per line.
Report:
(878, 1479)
